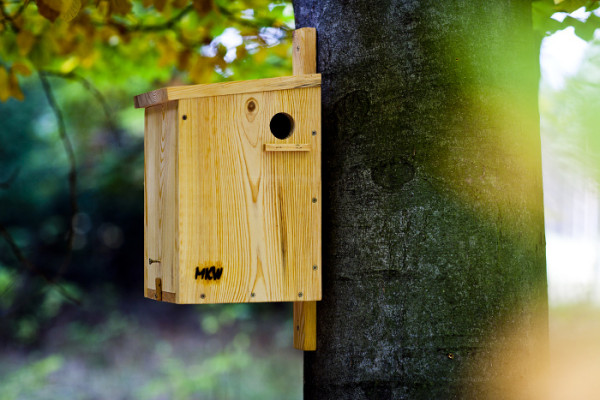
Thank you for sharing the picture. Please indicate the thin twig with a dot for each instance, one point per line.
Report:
(93, 90)
(21, 9)
(68, 146)
(31, 267)
(163, 26)
(7, 18)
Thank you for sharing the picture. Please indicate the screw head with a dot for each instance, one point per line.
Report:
(300, 294)
(202, 296)
(314, 199)
(451, 356)
(252, 294)
(184, 117)
(314, 133)
(315, 268)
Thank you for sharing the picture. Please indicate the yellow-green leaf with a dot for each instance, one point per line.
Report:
(180, 3)
(21, 69)
(49, 9)
(15, 89)
(69, 9)
(4, 84)
(25, 41)
(121, 7)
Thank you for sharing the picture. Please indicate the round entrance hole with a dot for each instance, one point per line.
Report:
(282, 125)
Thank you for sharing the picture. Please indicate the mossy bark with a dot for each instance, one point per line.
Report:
(434, 250)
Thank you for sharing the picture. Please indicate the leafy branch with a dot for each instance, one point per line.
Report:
(68, 147)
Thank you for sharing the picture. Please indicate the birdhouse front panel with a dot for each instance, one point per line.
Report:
(233, 193)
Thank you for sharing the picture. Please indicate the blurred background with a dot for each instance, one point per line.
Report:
(73, 320)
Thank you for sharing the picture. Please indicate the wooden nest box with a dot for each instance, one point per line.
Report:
(232, 190)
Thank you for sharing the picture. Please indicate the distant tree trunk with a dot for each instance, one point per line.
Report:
(433, 243)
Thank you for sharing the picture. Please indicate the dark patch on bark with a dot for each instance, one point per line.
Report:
(392, 174)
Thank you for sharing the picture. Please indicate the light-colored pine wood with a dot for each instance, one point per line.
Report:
(160, 197)
(164, 95)
(304, 52)
(287, 147)
(246, 210)
(305, 325)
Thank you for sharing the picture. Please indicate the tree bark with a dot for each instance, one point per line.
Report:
(434, 278)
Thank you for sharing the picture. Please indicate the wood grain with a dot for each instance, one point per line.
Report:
(304, 45)
(304, 50)
(305, 325)
(158, 291)
(287, 147)
(244, 210)
(160, 196)
(164, 95)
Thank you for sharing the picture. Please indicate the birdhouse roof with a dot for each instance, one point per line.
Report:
(164, 95)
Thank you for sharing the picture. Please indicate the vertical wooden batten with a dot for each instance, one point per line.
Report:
(305, 312)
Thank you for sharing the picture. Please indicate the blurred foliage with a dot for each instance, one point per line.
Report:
(27, 382)
(547, 16)
(570, 117)
(113, 42)
(122, 355)
(71, 223)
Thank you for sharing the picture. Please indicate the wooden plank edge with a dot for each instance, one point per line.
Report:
(287, 147)
(170, 93)
(148, 99)
(166, 296)
(305, 325)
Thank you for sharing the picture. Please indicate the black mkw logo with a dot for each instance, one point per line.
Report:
(209, 273)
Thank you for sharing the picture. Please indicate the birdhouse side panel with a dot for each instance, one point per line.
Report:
(249, 213)
(160, 200)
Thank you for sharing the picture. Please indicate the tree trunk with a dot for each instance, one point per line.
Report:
(434, 278)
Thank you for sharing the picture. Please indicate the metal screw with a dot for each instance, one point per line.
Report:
(202, 296)
(184, 117)
(300, 294)
(151, 261)
(315, 267)
(314, 133)
(314, 199)
(252, 294)
(451, 356)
